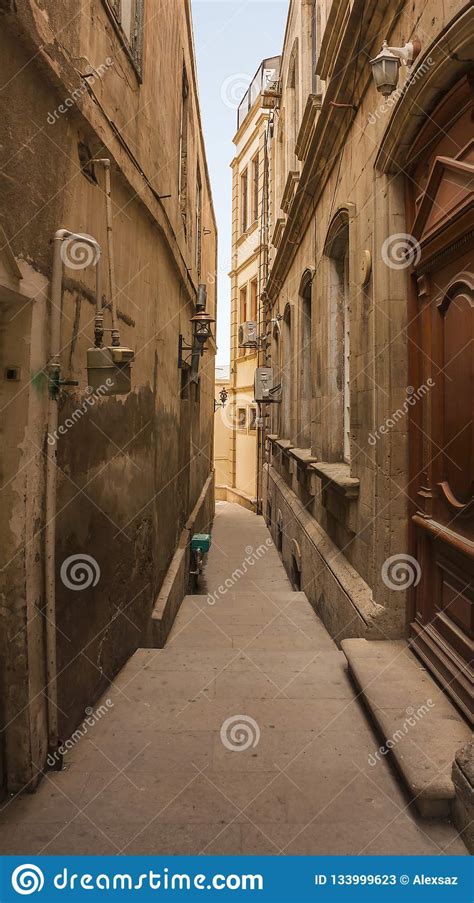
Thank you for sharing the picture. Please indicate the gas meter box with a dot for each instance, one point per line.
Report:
(109, 371)
(263, 385)
(201, 541)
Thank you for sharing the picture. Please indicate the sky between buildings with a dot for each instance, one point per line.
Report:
(232, 37)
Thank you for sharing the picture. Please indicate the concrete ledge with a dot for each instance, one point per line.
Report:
(230, 494)
(419, 726)
(175, 584)
(337, 477)
(339, 595)
(302, 456)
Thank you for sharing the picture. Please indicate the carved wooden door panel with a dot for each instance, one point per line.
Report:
(442, 628)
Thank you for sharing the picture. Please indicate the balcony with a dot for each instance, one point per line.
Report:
(263, 81)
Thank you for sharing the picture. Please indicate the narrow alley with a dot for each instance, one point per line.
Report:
(244, 735)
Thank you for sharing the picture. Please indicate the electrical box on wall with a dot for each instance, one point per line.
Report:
(248, 334)
(109, 370)
(264, 390)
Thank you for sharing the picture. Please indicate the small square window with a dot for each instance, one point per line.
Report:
(241, 418)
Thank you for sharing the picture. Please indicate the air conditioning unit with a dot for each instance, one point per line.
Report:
(264, 390)
(248, 335)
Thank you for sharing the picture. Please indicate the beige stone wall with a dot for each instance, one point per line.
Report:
(222, 437)
(246, 267)
(131, 470)
(341, 178)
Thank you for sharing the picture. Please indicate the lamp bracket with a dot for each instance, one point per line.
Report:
(405, 54)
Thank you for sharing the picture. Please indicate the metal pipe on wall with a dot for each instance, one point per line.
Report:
(110, 248)
(54, 374)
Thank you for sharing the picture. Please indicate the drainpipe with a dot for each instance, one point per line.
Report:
(110, 248)
(55, 383)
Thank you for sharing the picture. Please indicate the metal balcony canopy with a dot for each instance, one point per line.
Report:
(267, 73)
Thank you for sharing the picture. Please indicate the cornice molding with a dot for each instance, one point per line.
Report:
(332, 126)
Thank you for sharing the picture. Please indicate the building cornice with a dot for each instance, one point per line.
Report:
(332, 126)
(254, 132)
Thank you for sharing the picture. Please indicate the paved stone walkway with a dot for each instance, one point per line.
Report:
(243, 735)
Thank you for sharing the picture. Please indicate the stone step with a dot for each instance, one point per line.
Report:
(421, 728)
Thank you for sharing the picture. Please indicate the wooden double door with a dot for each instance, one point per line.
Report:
(441, 347)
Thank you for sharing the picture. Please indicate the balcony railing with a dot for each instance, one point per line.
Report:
(267, 74)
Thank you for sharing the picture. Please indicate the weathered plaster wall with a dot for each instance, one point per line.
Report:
(132, 468)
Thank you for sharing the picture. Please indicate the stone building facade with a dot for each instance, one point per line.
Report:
(249, 252)
(368, 480)
(133, 472)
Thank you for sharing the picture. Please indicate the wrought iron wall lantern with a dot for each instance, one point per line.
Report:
(202, 331)
(223, 395)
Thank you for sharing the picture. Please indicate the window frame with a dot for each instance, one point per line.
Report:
(133, 48)
(244, 201)
(255, 186)
(241, 426)
(254, 300)
(243, 293)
